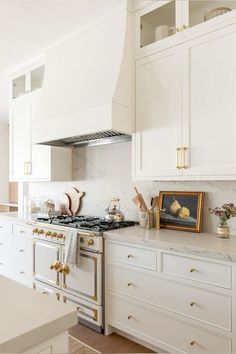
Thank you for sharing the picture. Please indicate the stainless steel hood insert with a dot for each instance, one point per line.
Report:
(100, 138)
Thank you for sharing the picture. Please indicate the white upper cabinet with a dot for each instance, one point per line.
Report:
(167, 23)
(158, 114)
(210, 120)
(27, 82)
(185, 100)
(30, 162)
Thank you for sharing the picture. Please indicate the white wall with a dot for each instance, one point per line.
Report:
(105, 171)
(4, 157)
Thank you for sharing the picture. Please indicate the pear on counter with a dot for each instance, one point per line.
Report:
(183, 213)
(174, 207)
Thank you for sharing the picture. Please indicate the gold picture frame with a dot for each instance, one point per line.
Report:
(182, 210)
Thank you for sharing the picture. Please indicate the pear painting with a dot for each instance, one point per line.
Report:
(181, 210)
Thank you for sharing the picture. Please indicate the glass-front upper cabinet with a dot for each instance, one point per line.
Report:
(166, 23)
(157, 22)
(200, 11)
(27, 82)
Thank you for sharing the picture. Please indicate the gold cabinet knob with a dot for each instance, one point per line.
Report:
(55, 265)
(48, 233)
(192, 303)
(64, 268)
(130, 317)
(192, 270)
(178, 29)
(54, 234)
(90, 242)
(35, 231)
(129, 284)
(185, 26)
(130, 255)
(192, 342)
(40, 231)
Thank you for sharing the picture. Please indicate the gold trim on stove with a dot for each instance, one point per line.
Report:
(94, 296)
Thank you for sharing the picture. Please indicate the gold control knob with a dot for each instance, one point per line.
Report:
(56, 265)
(48, 233)
(54, 234)
(60, 236)
(130, 317)
(193, 342)
(64, 268)
(90, 242)
(35, 231)
(192, 270)
(40, 231)
(192, 303)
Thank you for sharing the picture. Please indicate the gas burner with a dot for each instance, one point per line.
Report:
(90, 223)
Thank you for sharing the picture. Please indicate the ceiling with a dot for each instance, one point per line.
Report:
(27, 27)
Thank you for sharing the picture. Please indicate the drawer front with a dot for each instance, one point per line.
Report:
(86, 310)
(198, 304)
(5, 227)
(22, 230)
(137, 319)
(198, 270)
(22, 272)
(47, 290)
(138, 257)
(5, 244)
(23, 248)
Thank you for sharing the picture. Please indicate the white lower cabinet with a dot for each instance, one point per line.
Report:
(185, 305)
(16, 252)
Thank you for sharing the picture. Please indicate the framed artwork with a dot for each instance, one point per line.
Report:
(182, 210)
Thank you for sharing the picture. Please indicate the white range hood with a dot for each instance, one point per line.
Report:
(88, 86)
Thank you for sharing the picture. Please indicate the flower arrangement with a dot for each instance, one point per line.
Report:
(224, 213)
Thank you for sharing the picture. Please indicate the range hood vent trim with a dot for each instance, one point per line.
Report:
(99, 138)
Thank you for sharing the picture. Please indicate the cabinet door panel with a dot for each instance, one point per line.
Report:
(19, 139)
(211, 125)
(158, 115)
(41, 155)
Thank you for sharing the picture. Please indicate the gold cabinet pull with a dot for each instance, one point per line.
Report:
(185, 150)
(178, 29)
(192, 303)
(178, 152)
(185, 27)
(192, 270)
(130, 317)
(129, 284)
(27, 168)
(193, 342)
(130, 255)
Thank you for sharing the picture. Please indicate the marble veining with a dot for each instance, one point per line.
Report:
(106, 171)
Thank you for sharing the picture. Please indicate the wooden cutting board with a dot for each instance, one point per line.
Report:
(75, 197)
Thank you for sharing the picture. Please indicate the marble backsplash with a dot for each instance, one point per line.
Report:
(106, 171)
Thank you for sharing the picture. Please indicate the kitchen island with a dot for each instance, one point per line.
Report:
(31, 322)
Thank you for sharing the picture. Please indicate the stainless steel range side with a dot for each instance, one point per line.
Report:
(82, 285)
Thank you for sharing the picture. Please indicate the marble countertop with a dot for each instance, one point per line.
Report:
(203, 244)
(29, 318)
(15, 216)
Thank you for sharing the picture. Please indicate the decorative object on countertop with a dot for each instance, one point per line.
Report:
(113, 212)
(216, 12)
(224, 213)
(157, 212)
(182, 210)
(50, 206)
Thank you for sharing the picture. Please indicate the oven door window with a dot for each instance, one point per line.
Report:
(47, 257)
(85, 281)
